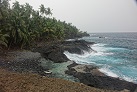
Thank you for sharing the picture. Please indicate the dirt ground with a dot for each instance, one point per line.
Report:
(27, 82)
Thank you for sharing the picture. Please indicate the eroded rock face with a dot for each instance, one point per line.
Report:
(77, 46)
(56, 56)
(91, 76)
(55, 52)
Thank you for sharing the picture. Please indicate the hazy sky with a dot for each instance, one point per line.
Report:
(93, 15)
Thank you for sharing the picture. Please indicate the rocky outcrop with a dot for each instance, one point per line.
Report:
(78, 46)
(91, 76)
(55, 51)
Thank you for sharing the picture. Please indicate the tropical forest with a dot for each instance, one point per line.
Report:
(21, 26)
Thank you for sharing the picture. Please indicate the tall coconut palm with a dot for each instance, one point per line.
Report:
(46, 11)
(21, 25)
(3, 39)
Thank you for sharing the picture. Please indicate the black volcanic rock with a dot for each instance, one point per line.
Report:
(77, 46)
(57, 56)
(55, 51)
(97, 79)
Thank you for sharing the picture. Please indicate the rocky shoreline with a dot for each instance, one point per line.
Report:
(91, 76)
(27, 61)
(87, 74)
(55, 51)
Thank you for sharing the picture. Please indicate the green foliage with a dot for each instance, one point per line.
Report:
(3, 39)
(21, 25)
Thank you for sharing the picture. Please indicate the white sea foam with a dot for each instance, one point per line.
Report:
(101, 54)
(108, 72)
(98, 47)
(79, 58)
(92, 34)
(128, 78)
(70, 40)
(100, 50)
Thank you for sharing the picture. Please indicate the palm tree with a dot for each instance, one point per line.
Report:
(49, 31)
(42, 9)
(21, 25)
(46, 11)
(3, 39)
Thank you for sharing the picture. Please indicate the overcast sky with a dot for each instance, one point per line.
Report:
(93, 15)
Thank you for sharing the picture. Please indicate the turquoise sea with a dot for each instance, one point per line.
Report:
(115, 54)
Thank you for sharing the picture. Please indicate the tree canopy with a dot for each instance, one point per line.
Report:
(21, 25)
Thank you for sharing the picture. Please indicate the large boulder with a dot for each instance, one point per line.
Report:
(56, 56)
(54, 53)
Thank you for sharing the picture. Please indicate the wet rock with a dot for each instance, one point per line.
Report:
(96, 79)
(57, 57)
(55, 51)
(78, 46)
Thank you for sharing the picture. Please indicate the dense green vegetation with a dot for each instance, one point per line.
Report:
(21, 25)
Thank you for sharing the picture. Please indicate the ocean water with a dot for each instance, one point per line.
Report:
(115, 54)
(58, 69)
